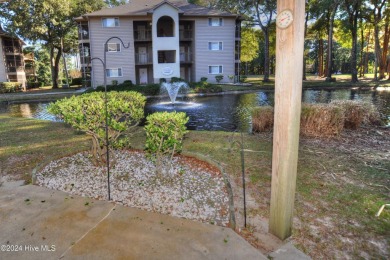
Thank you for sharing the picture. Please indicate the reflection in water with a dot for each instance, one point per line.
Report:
(225, 112)
(31, 110)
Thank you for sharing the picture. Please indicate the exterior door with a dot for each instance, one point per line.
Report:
(143, 76)
(182, 73)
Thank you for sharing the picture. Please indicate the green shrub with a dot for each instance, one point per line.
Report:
(148, 90)
(33, 85)
(77, 81)
(114, 82)
(176, 79)
(243, 78)
(262, 118)
(127, 82)
(164, 133)
(205, 87)
(86, 113)
(218, 78)
(10, 87)
(162, 80)
(231, 78)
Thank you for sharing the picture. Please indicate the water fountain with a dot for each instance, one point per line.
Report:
(173, 89)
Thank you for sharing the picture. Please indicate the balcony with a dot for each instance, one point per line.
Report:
(29, 71)
(85, 60)
(13, 69)
(185, 34)
(186, 57)
(143, 35)
(84, 35)
(12, 49)
(143, 58)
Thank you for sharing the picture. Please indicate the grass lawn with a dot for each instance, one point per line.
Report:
(341, 182)
(26, 143)
(39, 94)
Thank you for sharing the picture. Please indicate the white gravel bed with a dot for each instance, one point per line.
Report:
(188, 191)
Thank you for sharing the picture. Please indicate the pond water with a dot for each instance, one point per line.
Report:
(224, 112)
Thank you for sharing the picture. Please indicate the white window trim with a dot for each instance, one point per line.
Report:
(219, 44)
(117, 44)
(210, 21)
(114, 69)
(119, 24)
(219, 66)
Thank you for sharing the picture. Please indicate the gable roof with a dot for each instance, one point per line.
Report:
(145, 7)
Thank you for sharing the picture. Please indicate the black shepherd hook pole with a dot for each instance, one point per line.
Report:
(104, 62)
(243, 174)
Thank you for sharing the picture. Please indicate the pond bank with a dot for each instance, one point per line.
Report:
(47, 96)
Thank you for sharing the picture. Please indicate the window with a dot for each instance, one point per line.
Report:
(215, 21)
(215, 69)
(110, 22)
(166, 56)
(215, 46)
(114, 73)
(113, 47)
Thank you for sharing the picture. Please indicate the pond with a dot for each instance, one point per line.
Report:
(225, 112)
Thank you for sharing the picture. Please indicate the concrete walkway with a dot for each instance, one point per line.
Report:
(37, 223)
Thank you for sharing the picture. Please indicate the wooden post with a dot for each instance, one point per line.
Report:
(288, 93)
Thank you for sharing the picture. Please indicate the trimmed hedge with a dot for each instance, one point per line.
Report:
(148, 90)
(33, 85)
(86, 113)
(165, 132)
(205, 87)
(77, 81)
(10, 87)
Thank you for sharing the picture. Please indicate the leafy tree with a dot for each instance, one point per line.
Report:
(264, 14)
(353, 11)
(49, 22)
(386, 40)
(333, 5)
(42, 62)
(84, 113)
(112, 3)
(249, 45)
(375, 10)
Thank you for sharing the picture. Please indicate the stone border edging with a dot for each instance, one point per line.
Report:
(39, 167)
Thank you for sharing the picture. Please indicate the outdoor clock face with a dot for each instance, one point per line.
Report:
(284, 19)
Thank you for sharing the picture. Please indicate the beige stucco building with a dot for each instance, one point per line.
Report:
(166, 39)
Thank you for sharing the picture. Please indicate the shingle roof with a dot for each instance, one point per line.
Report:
(143, 7)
